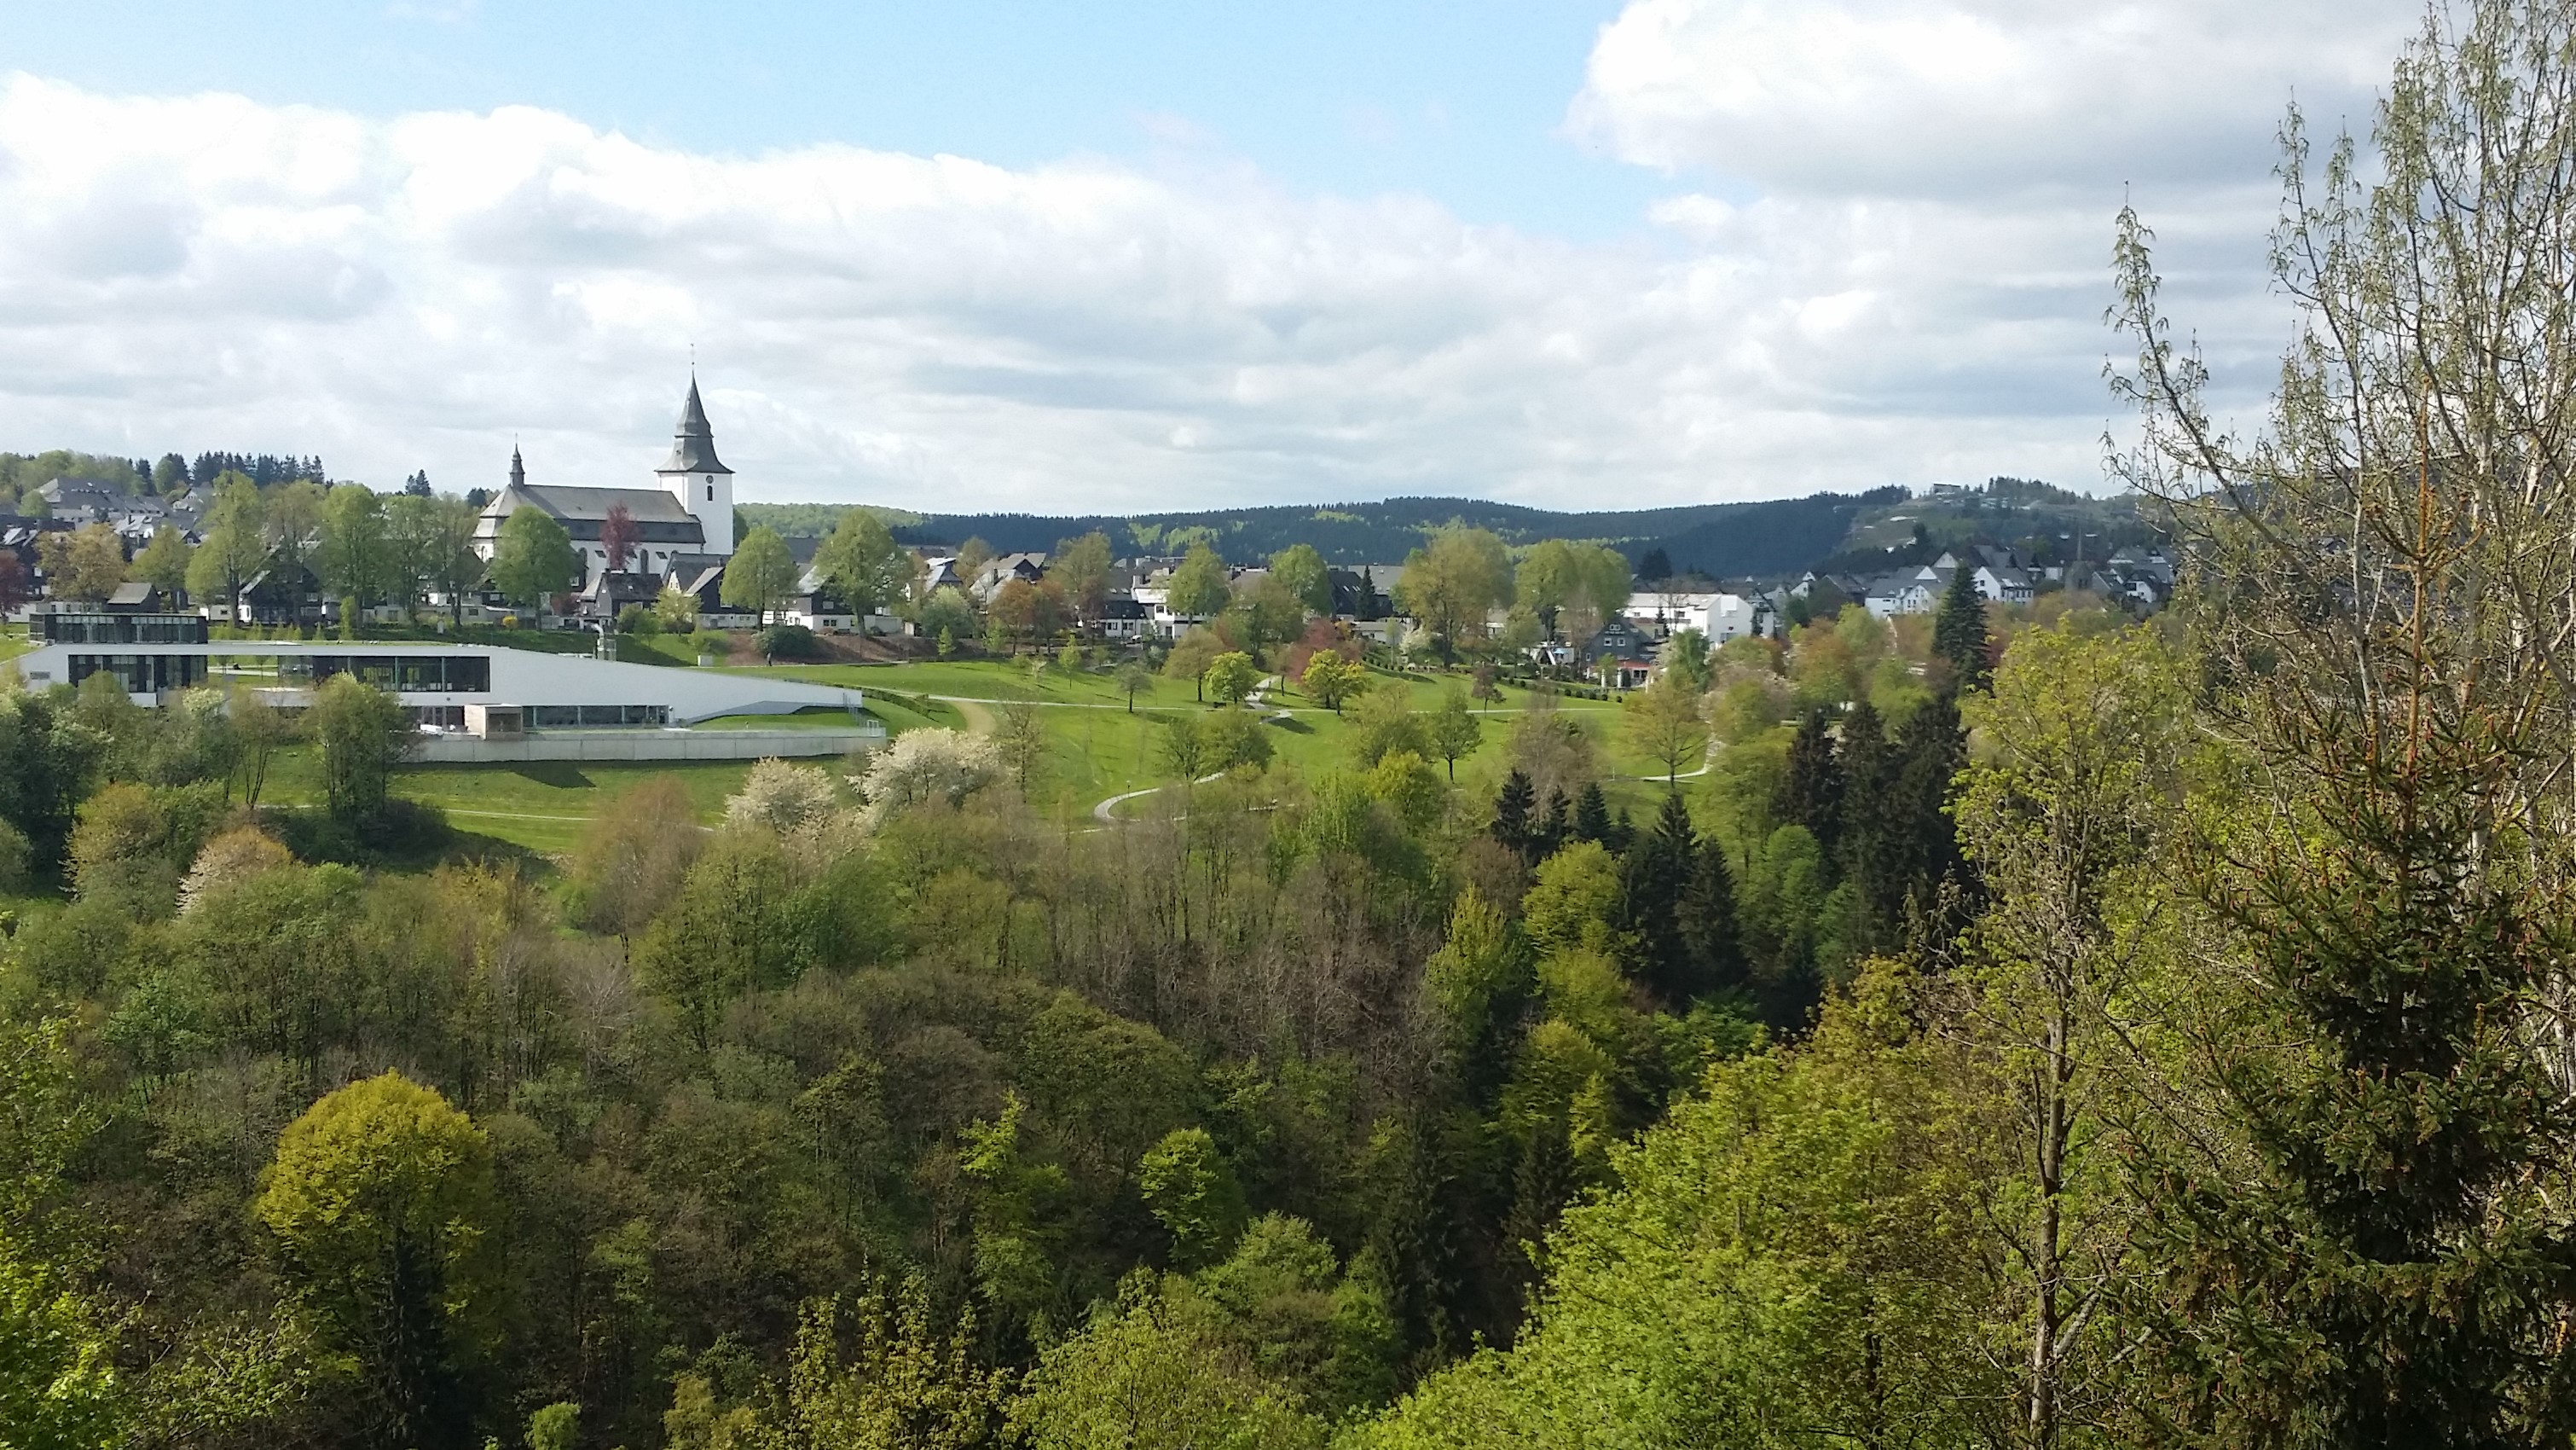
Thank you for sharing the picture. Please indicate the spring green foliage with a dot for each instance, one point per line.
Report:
(1193, 1194)
(1199, 589)
(58, 1384)
(381, 1205)
(1450, 583)
(164, 562)
(760, 575)
(1783, 1263)
(1330, 680)
(1230, 676)
(363, 734)
(863, 564)
(233, 547)
(533, 559)
(1301, 573)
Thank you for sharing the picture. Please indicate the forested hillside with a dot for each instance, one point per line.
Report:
(2021, 1026)
(1780, 535)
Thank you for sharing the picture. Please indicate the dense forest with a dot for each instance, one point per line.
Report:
(2034, 1027)
(1723, 539)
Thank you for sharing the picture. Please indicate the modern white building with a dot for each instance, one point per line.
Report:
(446, 687)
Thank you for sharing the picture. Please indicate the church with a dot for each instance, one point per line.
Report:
(683, 528)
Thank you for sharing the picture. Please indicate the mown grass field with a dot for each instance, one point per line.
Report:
(1097, 747)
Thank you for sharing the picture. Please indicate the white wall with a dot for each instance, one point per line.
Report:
(519, 677)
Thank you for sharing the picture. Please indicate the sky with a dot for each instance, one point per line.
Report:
(1126, 257)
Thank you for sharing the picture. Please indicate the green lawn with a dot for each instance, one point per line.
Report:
(541, 805)
(812, 717)
(1098, 748)
(666, 649)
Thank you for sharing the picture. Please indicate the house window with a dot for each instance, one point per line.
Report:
(711, 490)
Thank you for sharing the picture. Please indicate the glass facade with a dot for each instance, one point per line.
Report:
(122, 628)
(142, 674)
(462, 674)
(573, 717)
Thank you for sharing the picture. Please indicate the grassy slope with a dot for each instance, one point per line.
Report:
(1099, 748)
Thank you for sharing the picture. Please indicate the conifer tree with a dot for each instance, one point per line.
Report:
(1921, 844)
(1553, 831)
(1512, 812)
(1811, 786)
(1652, 879)
(1959, 631)
(1707, 924)
(1869, 769)
(2361, 1237)
(1592, 815)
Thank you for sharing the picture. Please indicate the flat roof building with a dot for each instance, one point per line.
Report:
(436, 682)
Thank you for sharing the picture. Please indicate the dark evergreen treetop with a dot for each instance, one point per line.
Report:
(1811, 788)
(1959, 632)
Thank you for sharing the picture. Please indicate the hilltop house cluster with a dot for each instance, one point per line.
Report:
(630, 544)
(2138, 576)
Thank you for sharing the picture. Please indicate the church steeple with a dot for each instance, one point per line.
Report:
(693, 449)
(697, 478)
(518, 470)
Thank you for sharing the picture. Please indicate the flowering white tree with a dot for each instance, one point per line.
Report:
(925, 764)
(783, 797)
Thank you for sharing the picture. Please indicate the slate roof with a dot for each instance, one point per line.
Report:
(694, 449)
(659, 519)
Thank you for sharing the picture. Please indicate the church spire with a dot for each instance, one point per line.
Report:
(518, 470)
(693, 449)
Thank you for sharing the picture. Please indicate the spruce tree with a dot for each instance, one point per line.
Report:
(1811, 785)
(2357, 1231)
(1959, 631)
(1554, 831)
(1652, 879)
(1869, 770)
(1706, 919)
(1512, 811)
(1920, 847)
(1542, 1182)
(1592, 815)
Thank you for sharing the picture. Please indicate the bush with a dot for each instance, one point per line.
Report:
(636, 619)
(787, 641)
(404, 833)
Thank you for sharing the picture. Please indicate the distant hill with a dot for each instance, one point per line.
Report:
(1722, 539)
(1772, 538)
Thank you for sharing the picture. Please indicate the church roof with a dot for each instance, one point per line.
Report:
(659, 519)
(694, 449)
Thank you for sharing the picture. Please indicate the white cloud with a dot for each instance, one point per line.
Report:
(941, 333)
(1949, 98)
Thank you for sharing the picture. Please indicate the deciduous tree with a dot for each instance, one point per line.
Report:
(380, 1202)
(532, 560)
(1301, 571)
(864, 565)
(760, 575)
(1199, 589)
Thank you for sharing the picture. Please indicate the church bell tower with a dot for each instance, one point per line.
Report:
(697, 478)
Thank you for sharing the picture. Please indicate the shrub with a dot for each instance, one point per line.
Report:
(787, 641)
